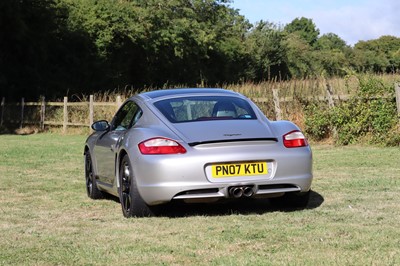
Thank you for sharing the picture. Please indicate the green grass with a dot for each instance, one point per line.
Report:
(47, 219)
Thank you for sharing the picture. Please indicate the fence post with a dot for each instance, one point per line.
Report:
(119, 101)
(42, 113)
(90, 111)
(22, 113)
(278, 112)
(65, 115)
(331, 103)
(329, 95)
(397, 88)
(2, 110)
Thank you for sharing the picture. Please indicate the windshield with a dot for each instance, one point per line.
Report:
(201, 108)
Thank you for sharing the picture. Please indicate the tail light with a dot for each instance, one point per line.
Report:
(161, 146)
(294, 139)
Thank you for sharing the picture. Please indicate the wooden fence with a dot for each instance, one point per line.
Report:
(65, 104)
(329, 98)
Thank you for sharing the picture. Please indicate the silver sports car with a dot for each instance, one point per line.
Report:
(195, 145)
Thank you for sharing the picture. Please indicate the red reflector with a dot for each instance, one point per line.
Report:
(294, 139)
(161, 146)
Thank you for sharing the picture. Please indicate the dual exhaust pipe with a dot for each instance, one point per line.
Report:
(241, 191)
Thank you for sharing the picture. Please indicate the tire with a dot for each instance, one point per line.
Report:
(292, 200)
(131, 202)
(91, 186)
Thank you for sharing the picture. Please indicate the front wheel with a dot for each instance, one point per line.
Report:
(91, 186)
(131, 202)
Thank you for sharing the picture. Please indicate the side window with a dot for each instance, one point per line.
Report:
(124, 118)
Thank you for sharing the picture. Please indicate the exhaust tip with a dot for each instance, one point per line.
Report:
(248, 191)
(236, 192)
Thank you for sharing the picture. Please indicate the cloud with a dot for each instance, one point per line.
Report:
(359, 21)
(352, 20)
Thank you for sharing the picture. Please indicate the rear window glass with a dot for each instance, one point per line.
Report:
(203, 108)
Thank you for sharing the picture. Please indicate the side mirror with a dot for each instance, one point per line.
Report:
(101, 125)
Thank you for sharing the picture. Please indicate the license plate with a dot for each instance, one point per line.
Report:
(239, 169)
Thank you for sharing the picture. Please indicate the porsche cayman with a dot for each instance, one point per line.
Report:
(195, 145)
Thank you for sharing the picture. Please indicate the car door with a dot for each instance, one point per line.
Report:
(107, 145)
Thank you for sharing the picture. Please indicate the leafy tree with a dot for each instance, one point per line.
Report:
(300, 41)
(331, 62)
(267, 52)
(299, 56)
(39, 55)
(330, 41)
(54, 47)
(369, 61)
(115, 29)
(26, 29)
(395, 61)
(305, 28)
(378, 55)
(154, 42)
(330, 53)
(226, 61)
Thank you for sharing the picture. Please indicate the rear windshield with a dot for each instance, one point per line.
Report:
(203, 108)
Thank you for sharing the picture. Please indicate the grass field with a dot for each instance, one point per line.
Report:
(46, 218)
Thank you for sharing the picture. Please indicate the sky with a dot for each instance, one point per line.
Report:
(351, 20)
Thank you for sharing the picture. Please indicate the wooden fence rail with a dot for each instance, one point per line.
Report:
(65, 104)
(330, 98)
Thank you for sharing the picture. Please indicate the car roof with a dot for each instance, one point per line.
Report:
(185, 92)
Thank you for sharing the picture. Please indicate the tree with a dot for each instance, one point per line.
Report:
(330, 62)
(330, 41)
(156, 42)
(305, 28)
(26, 29)
(39, 55)
(299, 56)
(377, 55)
(267, 52)
(330, 54)
(55, 47)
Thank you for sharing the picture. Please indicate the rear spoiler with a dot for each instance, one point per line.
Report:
(192, 144)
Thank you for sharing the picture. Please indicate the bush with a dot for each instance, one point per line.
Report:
(369, 116)
(317, 122)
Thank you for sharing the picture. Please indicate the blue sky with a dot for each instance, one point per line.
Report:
(352, 20)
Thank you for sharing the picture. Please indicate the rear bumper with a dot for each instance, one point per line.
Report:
(161, 179)
(207, 191)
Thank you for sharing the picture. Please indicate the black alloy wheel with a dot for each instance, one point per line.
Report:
(131, 202)
(125, 188)
(91, 187)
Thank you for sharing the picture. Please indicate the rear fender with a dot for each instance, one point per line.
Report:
(118, 159)
(88, 150)
(282, 127)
